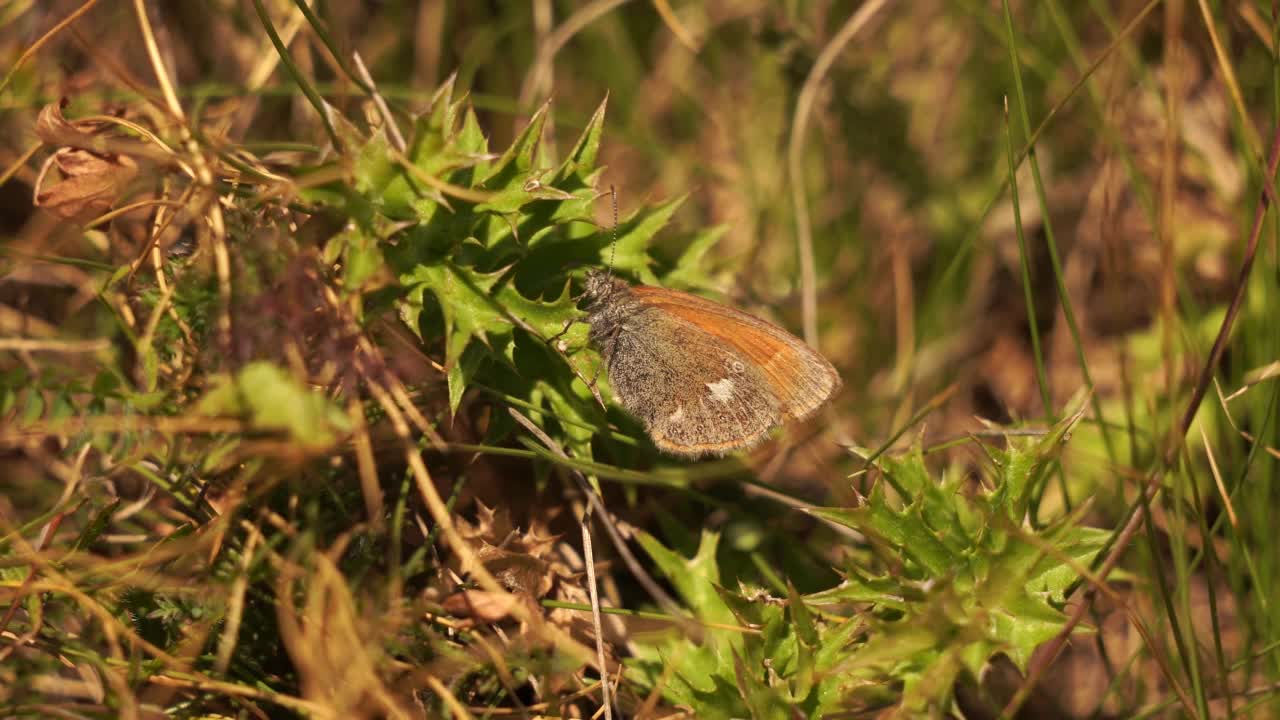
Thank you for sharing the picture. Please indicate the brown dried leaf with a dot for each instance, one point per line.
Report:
(491, 525)
(87, 134)
(53, 128)
(494, 531)
(92, 177)
(90, 182)
(517, 572)
(517, 559)
(484, 606)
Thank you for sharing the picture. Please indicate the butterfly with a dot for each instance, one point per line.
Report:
(704, 378)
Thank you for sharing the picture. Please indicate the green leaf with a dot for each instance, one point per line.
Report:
(690, 270)
(1022, 623)
(581, 160)
(361, 256)
(805, 629)
(572, 404)
(463, 294)
(513, 167)
(1081, 544)
(373, 168)
(470, 140)
(763, 702)
(272, 400)
(904, 531)
(460, 374)
(695, 578)
(885, 591)
(634, 236)
(476, 307)
(510, 199)
(438, 148)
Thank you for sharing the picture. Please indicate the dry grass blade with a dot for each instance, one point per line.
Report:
(222, 257)
(537, 81)
(795, 147)
(673, 24)
(1223, 495)
(13, 344)
(388, 121)
(592, 585)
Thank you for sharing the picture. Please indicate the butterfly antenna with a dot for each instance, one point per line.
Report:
(613, 250)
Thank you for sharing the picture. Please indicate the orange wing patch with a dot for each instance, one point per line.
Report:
(801, 378)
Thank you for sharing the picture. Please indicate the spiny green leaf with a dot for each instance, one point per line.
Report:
(634, 236)
(440, 112)
(935, 502)
(361, 256)
(373, 167)
(1081, 544)
(444, 150)
(690, 270)
(1018, 466)
(581, 160)
(695, 578)
(510, 199)
(886, 591)
(350, 138)
(904, 531)
(547, 318)
(473, 309)
(1021, 623)
(470, 140)
(463, 294)
(763, 702)
(513, 167)
(460, 374)
(577, 410)
(1027, 460)
(806, 631)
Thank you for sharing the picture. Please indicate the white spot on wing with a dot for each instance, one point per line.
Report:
(721, 390)
(678, 415)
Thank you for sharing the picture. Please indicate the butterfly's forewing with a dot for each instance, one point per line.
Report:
(801, 379)
(695, 394)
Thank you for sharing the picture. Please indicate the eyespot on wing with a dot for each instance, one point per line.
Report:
(801, 379)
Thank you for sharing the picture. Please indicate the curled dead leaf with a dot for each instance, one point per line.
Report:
(484, 606)
(53, 128)
(89, 176)
(89, 182)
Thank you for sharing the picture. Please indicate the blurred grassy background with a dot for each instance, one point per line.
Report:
(1112, 272)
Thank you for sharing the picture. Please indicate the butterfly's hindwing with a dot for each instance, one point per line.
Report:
(694, 393)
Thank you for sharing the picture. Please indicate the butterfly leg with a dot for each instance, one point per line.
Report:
(591, 384)
(567, 324)
(604, 357)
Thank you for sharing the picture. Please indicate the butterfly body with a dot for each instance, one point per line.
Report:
(704, 378)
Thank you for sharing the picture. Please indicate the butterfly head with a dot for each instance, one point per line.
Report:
(609, 303)
(600, 286)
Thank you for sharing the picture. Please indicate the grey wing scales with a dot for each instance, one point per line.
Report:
(694, 393)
